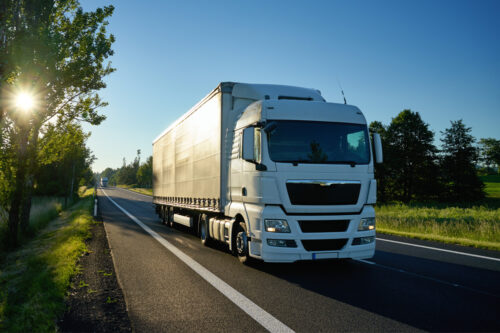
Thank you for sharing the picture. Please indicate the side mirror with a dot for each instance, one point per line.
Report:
(377, 143)
(248, 151)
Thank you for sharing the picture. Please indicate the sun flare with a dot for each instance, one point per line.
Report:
(25, 101)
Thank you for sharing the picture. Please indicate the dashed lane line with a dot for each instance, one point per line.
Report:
(425, 277)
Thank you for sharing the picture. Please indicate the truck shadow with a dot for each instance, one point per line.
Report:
(414, 299)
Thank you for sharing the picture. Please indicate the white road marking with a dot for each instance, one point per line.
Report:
(144, 195)
(452, 284)
(365, 261)
(438, 249)
(253, 310)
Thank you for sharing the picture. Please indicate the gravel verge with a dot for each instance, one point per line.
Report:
(95, 301)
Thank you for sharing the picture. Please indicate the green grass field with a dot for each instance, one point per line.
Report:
(477, 226)
(492, 183)
(35, 278)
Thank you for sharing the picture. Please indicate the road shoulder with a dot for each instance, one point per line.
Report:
(95, 301)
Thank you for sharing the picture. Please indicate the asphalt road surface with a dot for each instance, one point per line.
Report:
(171, 282)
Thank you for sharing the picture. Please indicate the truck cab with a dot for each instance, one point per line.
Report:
(302, 173)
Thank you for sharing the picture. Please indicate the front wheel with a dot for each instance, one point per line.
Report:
(241, 243)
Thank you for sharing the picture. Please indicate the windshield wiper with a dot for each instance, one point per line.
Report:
(295, 163)
(351, 163)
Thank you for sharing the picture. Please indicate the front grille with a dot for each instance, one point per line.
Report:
(324, 244)
(324, 226)
(319, 194)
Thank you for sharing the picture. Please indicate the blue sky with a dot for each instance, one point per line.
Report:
(440, 58)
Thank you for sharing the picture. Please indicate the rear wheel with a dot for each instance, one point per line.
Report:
(170, 217)
(163, 214)
(204, 234)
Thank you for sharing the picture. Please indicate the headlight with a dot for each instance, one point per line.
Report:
(367, 223)
(276, 226)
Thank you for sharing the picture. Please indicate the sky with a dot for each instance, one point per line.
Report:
(439, 58)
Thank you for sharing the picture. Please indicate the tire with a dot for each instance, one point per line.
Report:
(170, 217)
(241, 243)
(163, 214)
(204, 233)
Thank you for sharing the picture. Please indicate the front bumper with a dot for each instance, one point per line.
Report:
(260, 248)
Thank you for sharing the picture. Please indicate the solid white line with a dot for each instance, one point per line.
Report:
(253, 310)
(144, 195)
(365, 261)
(438, 249)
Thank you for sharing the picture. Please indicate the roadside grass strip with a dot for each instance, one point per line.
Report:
(476, 226)
(35, 278)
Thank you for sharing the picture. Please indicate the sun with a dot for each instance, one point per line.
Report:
(25, 101)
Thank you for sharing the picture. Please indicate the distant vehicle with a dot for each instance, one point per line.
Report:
(273, 171)
(104, 181)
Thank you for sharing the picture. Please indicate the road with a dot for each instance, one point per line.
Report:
(403, 288)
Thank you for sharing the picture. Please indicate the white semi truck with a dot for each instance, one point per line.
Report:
(275, 172)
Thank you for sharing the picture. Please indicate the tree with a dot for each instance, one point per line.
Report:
(64, 160)
(490, 152)
(458, 164)
(410, 158)
(56, 52)
(145, 173)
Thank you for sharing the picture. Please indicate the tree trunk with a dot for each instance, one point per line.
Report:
(28, 194)
(72, 183)
(17, 195)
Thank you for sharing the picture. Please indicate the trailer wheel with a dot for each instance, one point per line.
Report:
(241, 243)
(204, 233)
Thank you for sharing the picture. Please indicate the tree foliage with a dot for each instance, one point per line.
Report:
(410, 157)
(458, 164)
(413, 169)
(56, 52)
(132, 174)
(145, 173)
(64, 160)
(490, 152)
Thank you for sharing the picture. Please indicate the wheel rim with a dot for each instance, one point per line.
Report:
(241, 243)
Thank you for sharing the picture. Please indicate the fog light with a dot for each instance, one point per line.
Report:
(281, 242)
(363, 240)
(276, 226)
(366, 223)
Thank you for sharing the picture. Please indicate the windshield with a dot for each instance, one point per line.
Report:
(317, 142)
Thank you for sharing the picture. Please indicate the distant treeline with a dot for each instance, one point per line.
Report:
(133, 174)
(415, 169)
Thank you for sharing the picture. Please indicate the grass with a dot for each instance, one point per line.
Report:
(141, 190)
(492, 183)
(43, 210)
(35, 278)
(476, 226)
